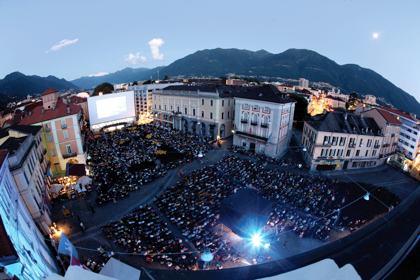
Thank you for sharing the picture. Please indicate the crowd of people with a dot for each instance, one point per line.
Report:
(310, 206)
(123, 161)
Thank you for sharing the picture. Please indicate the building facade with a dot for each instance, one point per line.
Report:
(339, 141)
(28, 166)
(390, 127)
(144, 100)
(34, 259)
(205, 110)
(263, 120)
(62, 124)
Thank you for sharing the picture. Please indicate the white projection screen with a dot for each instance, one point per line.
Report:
(111, 107)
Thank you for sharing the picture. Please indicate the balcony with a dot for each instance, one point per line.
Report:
(254, 123)
(244, 121)
(44, 151)
(352, 145)
(264, 125)
(251, 135)
(377, 146)
(385, 145)
(69, 155)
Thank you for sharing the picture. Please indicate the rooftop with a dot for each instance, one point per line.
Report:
(401, 113)
(12, 144)
(26, 129)
(390, 118)
(345, 123)
(38, 114)
(264, 92)
(49, 91)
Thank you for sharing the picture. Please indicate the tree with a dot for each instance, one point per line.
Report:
(301, 107)
(104, 88)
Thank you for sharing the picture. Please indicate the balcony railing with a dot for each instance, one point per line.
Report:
(244, 121)
(69, 155)
(254, 123)
(377, 146)
(352, 145)
(264, 125)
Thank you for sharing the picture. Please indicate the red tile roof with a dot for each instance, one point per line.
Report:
(390, 118)
(49, 91)
(401, 113)
(38, 115)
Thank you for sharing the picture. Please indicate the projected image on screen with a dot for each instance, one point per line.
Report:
(106, 108)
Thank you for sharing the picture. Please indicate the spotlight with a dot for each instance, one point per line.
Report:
(206, 257)
(366, 196)
(256, 240)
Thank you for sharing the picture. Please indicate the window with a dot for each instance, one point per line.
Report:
(186, 111)
(202, 114)
(342, 141)
(202, 101)
(194, 112)
(367, 152)
(223, 115)
(68, 149)
(211, 115)
(369, 143)
(357, 153)
(374, 153)
(334, 140)
(65, 134)
(177, 109)
(63, 124)
(160, 107)
(361, 142)
(165, 107)
(228, 115)
(348, 153)
(326, 140)
(223, 103)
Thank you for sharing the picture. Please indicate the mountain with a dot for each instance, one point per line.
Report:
(17, 84)
(125, 75)
(294, 64)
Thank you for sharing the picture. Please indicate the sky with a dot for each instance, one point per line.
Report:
(70, 39)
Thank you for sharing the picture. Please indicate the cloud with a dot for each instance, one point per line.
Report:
(62, 44)
(99, 74)
(155, 45)
(135, 58)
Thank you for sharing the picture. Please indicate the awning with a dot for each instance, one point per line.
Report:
(325, 269)
(119, 270)
(75, 169)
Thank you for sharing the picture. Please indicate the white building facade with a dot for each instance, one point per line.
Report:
(263, 121)
(202, 110)
(35, 260)
(144, 100)
(28, 166)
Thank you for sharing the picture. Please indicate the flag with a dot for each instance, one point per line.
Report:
(65, 247)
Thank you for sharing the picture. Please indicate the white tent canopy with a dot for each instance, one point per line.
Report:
(119, 270)
(78, 273)
(325, 269)
(84, 180)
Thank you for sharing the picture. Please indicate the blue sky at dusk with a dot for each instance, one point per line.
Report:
(76, 38)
